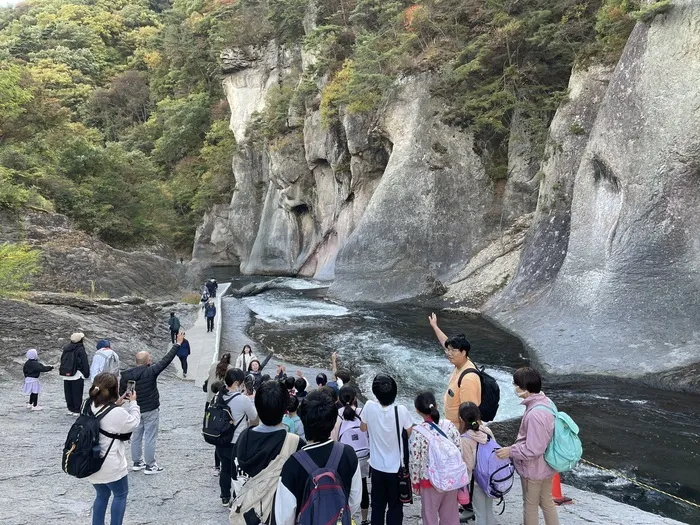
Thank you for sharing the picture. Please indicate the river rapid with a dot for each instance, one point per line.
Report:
(647, 434)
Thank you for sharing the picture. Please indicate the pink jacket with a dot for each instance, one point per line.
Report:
(536, 430)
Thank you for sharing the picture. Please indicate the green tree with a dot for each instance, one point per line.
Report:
(18, 263)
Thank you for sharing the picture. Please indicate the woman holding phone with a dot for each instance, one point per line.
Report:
(121, 416)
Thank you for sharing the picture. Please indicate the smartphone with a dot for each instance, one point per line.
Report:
(130, 387)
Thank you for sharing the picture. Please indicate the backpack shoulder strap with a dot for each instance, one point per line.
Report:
(102, 413)
(305, 461)
(336, 455)
(290, 445)
(442, 432)
(467, 371)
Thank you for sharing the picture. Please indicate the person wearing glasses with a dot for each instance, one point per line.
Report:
(462, 387)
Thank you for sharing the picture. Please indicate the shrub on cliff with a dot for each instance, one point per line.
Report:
(18, 263)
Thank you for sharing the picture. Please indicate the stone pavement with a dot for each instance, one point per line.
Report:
(33, 489)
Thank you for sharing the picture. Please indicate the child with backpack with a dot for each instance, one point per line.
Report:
(117, 419)
(291, 420)
(321, 483)
(347, 431)
(32, 370)
(436, 466)
(387, 423)
(535, 433)
(474, 433)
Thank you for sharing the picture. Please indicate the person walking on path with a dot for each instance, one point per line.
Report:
(212, 286)
(461, 387)
(32, 369)
(174, 324)
(318, 414)
(182, 354)
(104, 360)
(244, 415)
(121, 418)
(436, 506)
(145, 374)
(535, 433)
(245, 358)
(475, 433)
(210, 314)
(380, 419)
(74, 368)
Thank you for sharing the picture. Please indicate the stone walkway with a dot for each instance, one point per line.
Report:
(33, 489)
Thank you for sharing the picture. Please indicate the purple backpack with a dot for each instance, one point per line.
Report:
(493, 475)
(325, 501)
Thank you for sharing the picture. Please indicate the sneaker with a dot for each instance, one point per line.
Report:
(37, 408)
(138, 465)
(74, 414)
(184, 376)
(215, 471)
(226, 502)
(30, 406)
(466, 515)
(153, 469)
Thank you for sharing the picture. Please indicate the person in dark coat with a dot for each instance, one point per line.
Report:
(212, 287)
(210, 313)
(75, 367)
(32, 370)
(174, 324)
(145, 373)
(182, 354)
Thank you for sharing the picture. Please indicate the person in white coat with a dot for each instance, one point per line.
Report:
(120, 417)
(244, 359)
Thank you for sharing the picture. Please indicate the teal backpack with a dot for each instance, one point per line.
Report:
(564, 450)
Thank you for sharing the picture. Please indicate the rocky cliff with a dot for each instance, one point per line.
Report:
(387, 205)
(608, 282)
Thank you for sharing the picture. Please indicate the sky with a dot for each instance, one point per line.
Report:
(5, 3)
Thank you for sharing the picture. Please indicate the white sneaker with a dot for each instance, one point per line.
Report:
(153, 469)
(29, 405)
(138, 465)
(37, 408)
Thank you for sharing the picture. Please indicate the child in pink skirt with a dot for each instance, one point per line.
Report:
(32, 369)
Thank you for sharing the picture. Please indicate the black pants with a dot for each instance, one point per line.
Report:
(173, 335)
(183, 362)
(226, 455)
(210, 324)
(385, 499)
(74, 394)
(364, 503)
(33, 399)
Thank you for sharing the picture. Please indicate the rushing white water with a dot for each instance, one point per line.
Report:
(367, 349)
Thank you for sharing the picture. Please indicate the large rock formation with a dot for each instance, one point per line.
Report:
(73, 261)
(625, 299)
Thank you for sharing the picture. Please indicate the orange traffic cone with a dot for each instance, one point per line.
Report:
(557, 496)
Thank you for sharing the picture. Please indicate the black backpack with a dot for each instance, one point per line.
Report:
(81, 453)
(490, 393)
(218, 426)
(69, 362)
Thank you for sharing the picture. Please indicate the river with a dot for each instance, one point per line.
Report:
(649, 435)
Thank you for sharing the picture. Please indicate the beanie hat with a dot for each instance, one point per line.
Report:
(103, 343)
(31, 354)
(77, 337)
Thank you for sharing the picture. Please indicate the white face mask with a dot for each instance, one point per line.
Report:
(520, 393)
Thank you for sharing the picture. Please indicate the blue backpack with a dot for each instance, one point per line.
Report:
(325, 501)
(564, 450)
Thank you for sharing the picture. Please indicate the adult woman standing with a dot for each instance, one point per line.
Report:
(437, 507)
(118, 423)
(536, 431)
(217, 372)
(245, 358)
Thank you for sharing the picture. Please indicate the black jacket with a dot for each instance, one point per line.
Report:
(83, 365)
(32, 368)
(146, 377)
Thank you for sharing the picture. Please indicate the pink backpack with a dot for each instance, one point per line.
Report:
(446, 468)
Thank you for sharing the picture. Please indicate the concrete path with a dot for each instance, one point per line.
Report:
(33, 489)
(203, 345)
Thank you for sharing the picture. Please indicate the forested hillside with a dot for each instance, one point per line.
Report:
(112, 112)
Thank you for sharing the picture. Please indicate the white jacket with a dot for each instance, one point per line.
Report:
(243, 361)
(120, 420)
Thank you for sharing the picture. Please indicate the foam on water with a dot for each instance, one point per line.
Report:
(273, 309)
(292, 283)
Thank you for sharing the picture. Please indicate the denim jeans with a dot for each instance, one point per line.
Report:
(144, 438)
(120, 489)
